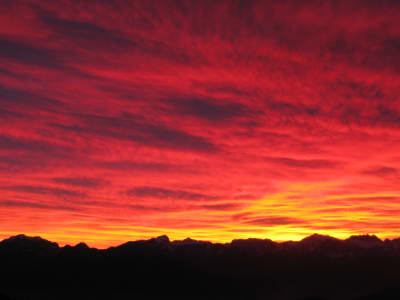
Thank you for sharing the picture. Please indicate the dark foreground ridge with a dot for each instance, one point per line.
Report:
(317, 267)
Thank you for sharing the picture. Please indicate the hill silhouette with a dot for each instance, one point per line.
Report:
(317, 267)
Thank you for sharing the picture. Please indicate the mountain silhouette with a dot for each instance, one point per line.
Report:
(365, 241)
(317, 267)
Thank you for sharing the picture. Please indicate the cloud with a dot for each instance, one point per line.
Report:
(354, 89)
(158, 209)
(266, 112)
(274, 221)
(143, 166)
(210, 110)
(11, 97)
(95, 37)
(13, 143)
(223, 206)
(43, 190)
(9, 163)
(28, 54)
(87, 34)
(5, 113)
(186, 206)
(368, 200)
(79, 181)
(287, 109)
(222, 88)
(304, 163)
(142, 131)
(381, 171)
(163, 193)
(35, 205)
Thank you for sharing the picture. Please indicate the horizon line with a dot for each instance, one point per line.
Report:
(165, 236)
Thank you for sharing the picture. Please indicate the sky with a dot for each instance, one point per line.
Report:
(215, 120)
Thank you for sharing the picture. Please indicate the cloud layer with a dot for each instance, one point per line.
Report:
(215, 120)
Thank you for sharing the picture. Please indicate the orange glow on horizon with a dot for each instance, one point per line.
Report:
(294, 219)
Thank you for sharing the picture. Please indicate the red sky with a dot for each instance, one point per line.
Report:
(217, 120)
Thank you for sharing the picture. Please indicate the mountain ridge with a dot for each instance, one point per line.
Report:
(158, 268)
(369, 240)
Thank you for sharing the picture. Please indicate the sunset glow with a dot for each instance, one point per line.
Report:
(214, 120)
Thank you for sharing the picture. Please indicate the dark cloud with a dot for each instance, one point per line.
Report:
(384, 55)
(79, 181)
(356, 51)
(379, 115)
(142, 131)
(23, 204)
(25, 154)
(221, 88)
(141, 166)
(386, 116)
(15, 75)
(162, 50)
(352, 89)
(161, 209)
(130, 93)
(377, 110)
(274, 221)
(25, 159)
(210, 110)
(163, 193)
(5, 113)
(93, 36)
(85, 34)
(12, 162)
(240, 216)
(12, 143)
(42, 190)
(223, 206)
(289, 111)
(304, 163)
(26, 100)
(28, 54)
(381, 171)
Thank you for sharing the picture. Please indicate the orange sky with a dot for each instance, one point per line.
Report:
(213, 120)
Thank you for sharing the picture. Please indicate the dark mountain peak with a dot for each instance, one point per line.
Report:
(365, 241)
(395, 241)
(81, 245)
(25, 244)
(252, 242)
(322, 243)
(394, 244)
(253, 246)
(20, 237)
(162, 239)
(77, 250)
(155, 244)
(190, 242)
(24, 240)
(364, 237)
(318, 238)
(187, 241)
